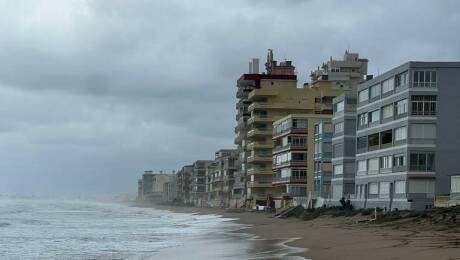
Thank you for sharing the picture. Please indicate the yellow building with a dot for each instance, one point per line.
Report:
(268, 97)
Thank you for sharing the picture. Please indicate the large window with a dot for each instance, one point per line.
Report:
(362, 166)
(374, 188)
(373, 165)
(338, 169)
(401, 79)
(338, 150)
(401, 107)
(386, 162)
(384, 189)
(423, 131)
(362, 144)
(425, 79)
(423, 105)
(374, 116)
(338, 128)
(400, 133)
(363, 95)
(388, 85)
(400, 187)
(422, 162)
(386, 137)
(375, 91)
(363, 119)
(340, 106)
(373, 140)
(387, 111)
(299, 123)
(399, 160)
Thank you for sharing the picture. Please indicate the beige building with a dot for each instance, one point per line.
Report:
(153, 184)
(266, 98)
(220, 177)
(198, 195)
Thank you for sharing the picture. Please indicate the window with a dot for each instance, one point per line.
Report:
(298, 141)
(363, 95)
(362, 166)
(400, 187)
(423, 105)
(375, 91)
(386, 137)
(373, 188)
(362, 143)
(401, 107)
(338, 150)
(400, 133)
(386, 162)
(338, 169)
(374, 116)
(399, 160)
(363, 119)
(422, 162)
(338, 128)
(387, 111)
(423, 131)
(373, 165)
(401, 79)
(425, 79)
(388, 85)
(299, 123)
(373, 140)
(340, 106)
(384, 189)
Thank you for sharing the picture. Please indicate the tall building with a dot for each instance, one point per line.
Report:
(407, 143)
(292, 140)
(153, 184)
(322, 159)
(198, 182)
(265, 98)
(344, 147)
(220, 177)
(183, 183)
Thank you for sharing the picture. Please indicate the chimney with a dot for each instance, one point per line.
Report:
(255, 66)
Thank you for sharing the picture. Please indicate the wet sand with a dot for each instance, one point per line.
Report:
(342, 238)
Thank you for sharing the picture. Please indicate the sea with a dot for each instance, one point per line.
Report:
(48, 228)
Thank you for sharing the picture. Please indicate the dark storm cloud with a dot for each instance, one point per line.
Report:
(93, 92)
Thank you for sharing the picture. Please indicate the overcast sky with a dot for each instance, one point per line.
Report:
(93, 92)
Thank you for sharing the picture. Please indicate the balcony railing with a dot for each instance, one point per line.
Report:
(287, 180)
(291, 163)
(287, 147)
(259, 131)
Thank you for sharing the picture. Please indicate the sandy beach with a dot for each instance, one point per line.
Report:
(342, 238)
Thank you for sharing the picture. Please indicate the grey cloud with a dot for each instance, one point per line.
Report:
(93, 92)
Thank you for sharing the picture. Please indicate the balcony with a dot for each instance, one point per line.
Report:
(290, 130)
(259, 132)
(259, 170)
(296, 147)
(260, 184)
(259, 105)
(259, 158)
(260, 118)
(289, 180)
(259, 93)
(291, 163)
(259, 145)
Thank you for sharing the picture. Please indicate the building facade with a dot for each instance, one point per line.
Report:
(344, 147)
(322, 159)
(406, 146)
(183, 183)
(198, 182)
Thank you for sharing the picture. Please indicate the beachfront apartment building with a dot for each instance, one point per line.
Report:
(292, 156)
(407, 135)
(152, 185)
(198, 194)
(322, 159)
(220, 177)
(343, 147)
(265, 98)
(183, 183)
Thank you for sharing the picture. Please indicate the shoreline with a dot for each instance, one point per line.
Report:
(340, 237)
